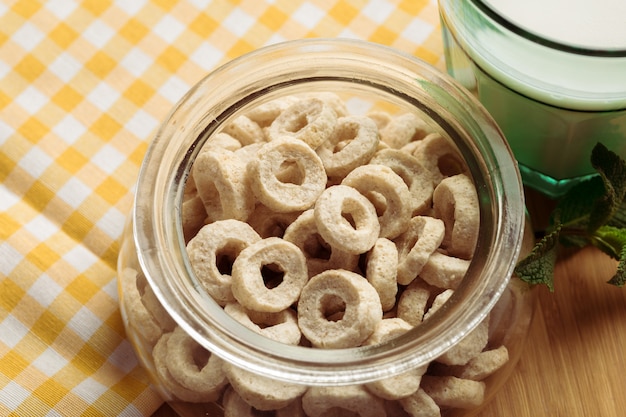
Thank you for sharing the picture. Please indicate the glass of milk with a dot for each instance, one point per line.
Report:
(551, 72)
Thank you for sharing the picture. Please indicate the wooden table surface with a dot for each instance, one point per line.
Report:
(573, 364)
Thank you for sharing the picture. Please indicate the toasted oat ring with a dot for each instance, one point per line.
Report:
(439, 156)
(261, 392)
(281, 326)
(381, 271)
(444, 271)
(194, 367)
(283, 196)
(213, 250)
(420, 404)
(352, 399)
(331, 210)
(139, 317)
(455, 201)
(268, 223)
(264, 114)
(403, 129)
(310, 120)
(268, 275)
(416, 245)
(358, 300)
(221, 179)
(353, 143)
(159, 354)
(245, 130)
(320, 255)
(371, 180)
(415, 175)
(413, 302)
(402, 385)
(235, 406)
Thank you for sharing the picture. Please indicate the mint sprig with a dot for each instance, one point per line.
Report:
(593, 212)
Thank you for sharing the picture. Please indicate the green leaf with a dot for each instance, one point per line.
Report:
(612, 171)
(538, 266)
(611, 240)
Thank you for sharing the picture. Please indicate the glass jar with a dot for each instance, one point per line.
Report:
(161, 296)
(551, 75)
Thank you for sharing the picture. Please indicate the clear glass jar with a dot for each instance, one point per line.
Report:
(160, 295)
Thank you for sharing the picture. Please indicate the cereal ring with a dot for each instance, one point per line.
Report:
(350, 399)
(483, 365)
(353, 143)
(159, 354)
(413, 301)
(261, 392)
(404, 384)
(287, 196)
(440, 300)
(332, 210)
(245, 130)
(444, 271)
(420, 404)
(331, 99)
(249, 152)
(194, 367)
(416, 245)
(310, 120)
(235, 406)
(154, 306)
(415, 176)
(381, 271)
(320, 255)
(381, 118)
(268, 223)
(379, 180)
(404, 129)
(264, 114)
(221, 141)
(439, 156)
(455, 201)
(146, 325)
(450, 391)
(222, 184)
(193, 216)
(281, 326)
(268, 275)
(213, 250)
(361, 309)
(469, 347)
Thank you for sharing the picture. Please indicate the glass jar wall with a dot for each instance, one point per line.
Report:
(444, 335)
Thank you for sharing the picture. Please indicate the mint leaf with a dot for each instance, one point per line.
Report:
(611, 240)
(612, 171)
(538, 266)
(619, 279)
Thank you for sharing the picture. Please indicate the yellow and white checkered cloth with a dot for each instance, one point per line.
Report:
(83, 86)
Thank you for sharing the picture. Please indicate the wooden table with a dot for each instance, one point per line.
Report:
(573, 364)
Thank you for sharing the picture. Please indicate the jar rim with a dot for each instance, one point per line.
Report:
(159, 239)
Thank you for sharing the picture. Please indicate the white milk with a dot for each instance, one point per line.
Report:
(553, 103)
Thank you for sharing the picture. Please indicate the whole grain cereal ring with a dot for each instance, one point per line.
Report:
(381, 271)
(404, 129)
(133, 286)
(245, 130)
(415, 176)
(193, 216)
(350, 399)
(413, 301)
(361, 306)
(235, 406)
(264, 114)
(353, 143)
(444, 271)
(249, 152)
(310, 120)
(221, 141)
(261, 392)
(212, 252)
(379, 180)
(481, 366)
(194, 367)
(320, 255)
(154, 306)
(420, 404)
(221, 179)
(331, 99)
(404, 384)
(346, 219)
(455, 201)
(169, 383)
(287, 196)
(268, 223)
(268, 275)
(416, 245)
(439, 156)
(469, 347)
(281, 326)
(450, 391)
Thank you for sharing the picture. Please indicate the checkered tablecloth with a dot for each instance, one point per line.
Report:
(83, 86)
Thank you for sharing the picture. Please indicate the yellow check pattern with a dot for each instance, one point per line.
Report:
(83, 86)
